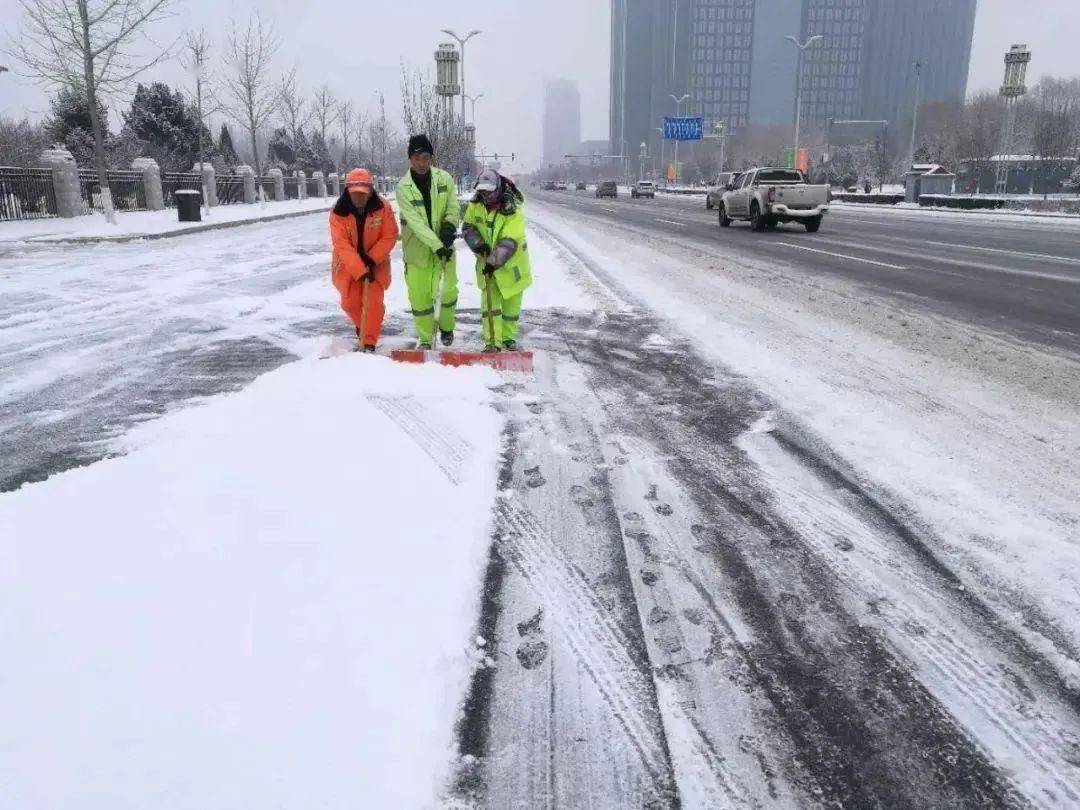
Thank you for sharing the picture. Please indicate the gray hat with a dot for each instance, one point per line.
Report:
(488, 180)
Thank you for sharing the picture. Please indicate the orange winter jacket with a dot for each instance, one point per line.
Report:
(380, 236)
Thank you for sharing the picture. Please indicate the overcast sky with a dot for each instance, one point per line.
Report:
(357, 48)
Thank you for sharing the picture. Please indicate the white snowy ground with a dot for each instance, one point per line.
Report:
(268, 600)
(146, 223)
(974, 435)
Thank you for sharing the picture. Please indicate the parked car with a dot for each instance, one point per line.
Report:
(768, 196)
(643, 188)
(549, 185)
(560, 186)
(582, 187)
(607, 188)
(725, 181)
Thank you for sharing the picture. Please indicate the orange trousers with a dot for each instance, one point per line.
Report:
(369, 322)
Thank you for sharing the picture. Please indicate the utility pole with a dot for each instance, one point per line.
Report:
(473, 99)
(663, 165)
(802, 46)
(915, 113)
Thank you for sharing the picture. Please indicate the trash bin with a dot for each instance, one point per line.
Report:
(189, 205)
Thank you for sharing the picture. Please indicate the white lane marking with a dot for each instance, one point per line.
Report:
(672, 222)
(1021, 253)
(842, 256)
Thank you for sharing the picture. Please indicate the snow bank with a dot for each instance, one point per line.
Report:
(266, 603)
(148, 223)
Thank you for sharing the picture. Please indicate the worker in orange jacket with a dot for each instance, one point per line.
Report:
(361, 266)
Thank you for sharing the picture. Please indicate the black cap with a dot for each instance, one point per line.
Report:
(420, 143)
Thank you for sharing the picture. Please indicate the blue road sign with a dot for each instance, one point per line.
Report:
(682, 128)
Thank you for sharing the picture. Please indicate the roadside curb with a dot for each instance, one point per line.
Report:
(135, 237)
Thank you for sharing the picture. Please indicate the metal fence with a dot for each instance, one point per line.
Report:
(172, 182)
(312, 187)
(128, 192)
(230, 189)
(292, 188)
(26, 193)
(268, 188)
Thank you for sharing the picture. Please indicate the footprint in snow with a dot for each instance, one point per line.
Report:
(664, 509)
(658, 616)
(531, 627)
(581, 496)
(650, 578)
(534, 478)
(844, 544)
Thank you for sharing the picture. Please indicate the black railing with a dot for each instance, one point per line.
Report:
(292, 188)
(172, 182)
(230, 189)
(128, 191)
(268, 188)
(26, 193)
(313, 187)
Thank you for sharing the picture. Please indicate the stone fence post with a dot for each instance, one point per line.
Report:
(335, 184)
(209, 178)
(151, 178)
(301, 185)
(320, 179)
(279, 183)
(247, 175)
(65, 179)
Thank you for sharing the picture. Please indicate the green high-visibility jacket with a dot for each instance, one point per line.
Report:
(420, 238)
(515, 275)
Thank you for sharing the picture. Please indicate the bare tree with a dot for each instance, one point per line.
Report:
(296, 113)
(253, 97)
(196, 59)
(1053, 137)
(325, 107)
(347, 118)
(92, 47)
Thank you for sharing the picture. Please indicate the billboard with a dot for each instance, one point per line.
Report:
(682, 128)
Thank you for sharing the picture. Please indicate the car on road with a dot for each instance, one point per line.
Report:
(560, 187)
(607, 188)
(643, 188)
(724, 182)
(769, 196)
(582, 187)
(549, 185)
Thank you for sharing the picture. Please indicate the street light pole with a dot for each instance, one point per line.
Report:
(461, 42)
(802, 46)
(915, 114)
(473, 100)
(663, 165)
(678, 113)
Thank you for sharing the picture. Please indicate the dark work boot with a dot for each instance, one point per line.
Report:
(369, 349)
(510, 345)
(447, 338)
(490, 349)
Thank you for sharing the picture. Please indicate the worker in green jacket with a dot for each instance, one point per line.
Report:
(427, 203)
(495, 232)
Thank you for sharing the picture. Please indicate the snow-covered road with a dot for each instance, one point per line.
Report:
(746, 541)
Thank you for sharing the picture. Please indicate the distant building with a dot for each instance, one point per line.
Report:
(732, 57)
(562, 120)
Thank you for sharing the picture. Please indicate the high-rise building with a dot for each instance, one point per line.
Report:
(733, 59)
(562, 120)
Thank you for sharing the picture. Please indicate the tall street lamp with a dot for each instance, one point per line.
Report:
(663, 166)
(678, 113)
(802, 46)
(915, 113)
(473, 99)
(461, 42)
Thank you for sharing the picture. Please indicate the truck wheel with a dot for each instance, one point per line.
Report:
(757, 221)
(812, 225)
(725, 220)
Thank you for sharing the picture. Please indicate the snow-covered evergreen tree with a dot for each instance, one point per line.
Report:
(68, 124)
(225, 148)
(321, 160)
(305, 155)
(280, 153)
(164, 124)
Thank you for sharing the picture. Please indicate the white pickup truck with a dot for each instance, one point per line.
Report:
(768, 196)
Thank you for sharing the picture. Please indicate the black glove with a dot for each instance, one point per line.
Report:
(369, 262)
(488, 270)
(483, 249)
(445, 253)
(448, 233)
(369, 276)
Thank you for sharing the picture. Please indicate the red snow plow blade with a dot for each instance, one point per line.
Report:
(501, 361)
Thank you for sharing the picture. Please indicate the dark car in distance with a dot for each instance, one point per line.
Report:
(607, 188)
